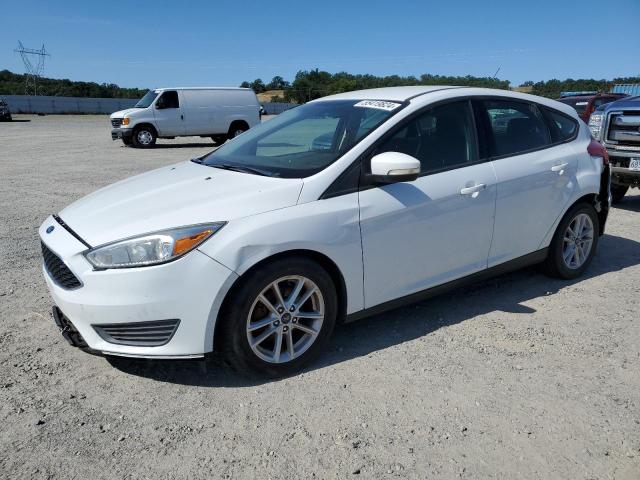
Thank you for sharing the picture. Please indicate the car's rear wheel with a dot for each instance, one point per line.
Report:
(237, 128)
(574, 243)
(219, 139)
(280, 318)
(144, 137)
(618, 192)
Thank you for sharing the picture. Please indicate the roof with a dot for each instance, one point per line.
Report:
(398, 94)
(198, 88)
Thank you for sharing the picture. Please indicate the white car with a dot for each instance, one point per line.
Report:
(338, 209)
(217, 112)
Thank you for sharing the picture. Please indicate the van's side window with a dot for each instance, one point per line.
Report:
(516, 127)
(168, 100)
(441, 138)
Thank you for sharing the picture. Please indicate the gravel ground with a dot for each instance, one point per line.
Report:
(520, 377)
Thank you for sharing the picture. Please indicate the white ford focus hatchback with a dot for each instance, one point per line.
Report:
(335, 210)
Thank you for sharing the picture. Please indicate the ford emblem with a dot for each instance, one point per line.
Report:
(50, 228)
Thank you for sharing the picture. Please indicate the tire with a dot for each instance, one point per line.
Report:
(237, 128)
(144, 137)
(244, 310)
(128, 141)
(219, 139)
(618, 192)
(555, 265)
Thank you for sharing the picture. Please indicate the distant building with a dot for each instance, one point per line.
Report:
(628, 88)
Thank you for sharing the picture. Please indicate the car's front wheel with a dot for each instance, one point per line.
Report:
(574, 243)
(144, 137)
(279, 318)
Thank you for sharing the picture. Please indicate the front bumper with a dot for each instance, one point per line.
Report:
(121, 133)
(190, 289)
(620, 172)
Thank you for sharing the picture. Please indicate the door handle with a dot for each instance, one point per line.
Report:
(559, 168)
(474, 189)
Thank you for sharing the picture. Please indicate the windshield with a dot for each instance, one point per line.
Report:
(578, 103)
(304, 140)
(147, 100)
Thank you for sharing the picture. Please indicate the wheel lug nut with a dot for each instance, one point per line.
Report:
(294, 320)
(292, 308)
(285, 328)
(280, 309)
(276, 323)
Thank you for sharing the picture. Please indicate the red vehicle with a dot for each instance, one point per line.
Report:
(585, 103)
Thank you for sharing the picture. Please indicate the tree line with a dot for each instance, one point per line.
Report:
(311, 84)
(13, 84)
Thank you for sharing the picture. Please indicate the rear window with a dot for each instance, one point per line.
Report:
(516, 127)
(563, 128)
(579, 104)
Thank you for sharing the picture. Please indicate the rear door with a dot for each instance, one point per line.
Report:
(169, 114)
(438, 228)
(536, 175)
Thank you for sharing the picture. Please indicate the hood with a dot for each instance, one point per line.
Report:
(175, 196)
(122, 113)
(627, 102)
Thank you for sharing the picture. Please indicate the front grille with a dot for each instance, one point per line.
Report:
(624, 128)
(139, 334)
(57, 269)
(116, 122)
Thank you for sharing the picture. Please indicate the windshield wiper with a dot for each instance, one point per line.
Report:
(242, 169)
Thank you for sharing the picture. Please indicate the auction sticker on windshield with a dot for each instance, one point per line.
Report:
(379, 104)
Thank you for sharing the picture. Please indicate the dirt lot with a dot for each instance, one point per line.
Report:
(520, 377)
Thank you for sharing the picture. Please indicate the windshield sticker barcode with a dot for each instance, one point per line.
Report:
(379, 104)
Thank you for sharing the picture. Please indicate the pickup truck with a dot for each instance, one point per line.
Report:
(617, 126)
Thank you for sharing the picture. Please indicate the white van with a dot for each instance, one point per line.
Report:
(217, 112)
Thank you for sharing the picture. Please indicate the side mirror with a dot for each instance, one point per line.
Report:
(392, 167)
(159, 104)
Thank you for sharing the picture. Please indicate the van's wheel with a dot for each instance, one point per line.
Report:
(279, 319)
(127, 141)
(219, 139)
(144, 137)
(237, 128)
(618, 192)
(574, 243)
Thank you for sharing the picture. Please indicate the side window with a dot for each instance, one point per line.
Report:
(563, 128)
(168, 100)
(516, 127)
(442, 137)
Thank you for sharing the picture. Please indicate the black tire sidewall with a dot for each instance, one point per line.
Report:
(618, 192)
(560, 268)
(236, 311)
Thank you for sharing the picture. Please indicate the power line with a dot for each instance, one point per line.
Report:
(33, 70)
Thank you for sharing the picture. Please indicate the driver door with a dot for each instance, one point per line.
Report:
(419, 234)
(169, 115)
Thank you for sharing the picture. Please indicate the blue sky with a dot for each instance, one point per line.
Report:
(148, 44)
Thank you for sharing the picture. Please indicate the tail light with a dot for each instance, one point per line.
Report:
(595, 149)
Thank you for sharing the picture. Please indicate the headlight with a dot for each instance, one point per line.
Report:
(125, 121)
(595, 124)
(152, 248)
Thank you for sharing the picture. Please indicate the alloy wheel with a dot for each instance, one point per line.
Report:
(577, 241)
(285, 319)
